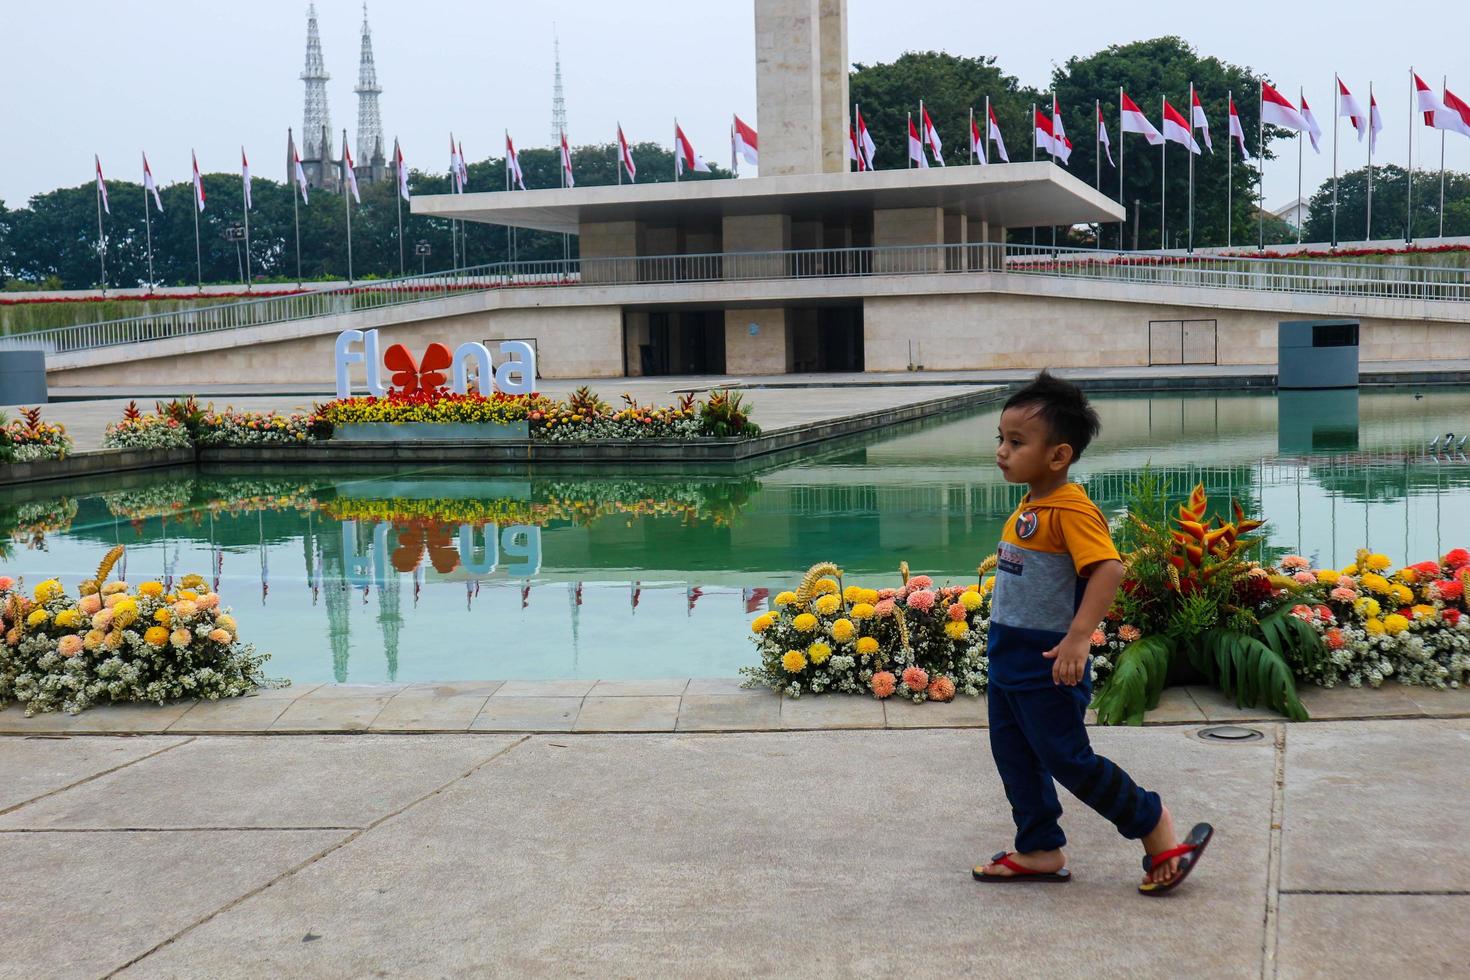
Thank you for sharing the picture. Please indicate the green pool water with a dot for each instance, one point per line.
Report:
(435, 575)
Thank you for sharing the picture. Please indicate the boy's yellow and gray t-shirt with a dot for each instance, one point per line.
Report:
(1044, 552)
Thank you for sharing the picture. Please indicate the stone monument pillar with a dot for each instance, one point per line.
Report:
(801, 86)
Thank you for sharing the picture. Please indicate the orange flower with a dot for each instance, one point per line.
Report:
(941, 689)
(916, 678)
(883, 684)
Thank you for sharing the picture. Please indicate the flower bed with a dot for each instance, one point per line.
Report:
(28, 438)
(112, 645)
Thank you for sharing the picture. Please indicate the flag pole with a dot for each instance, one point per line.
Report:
(1372, 136)
(295, 205)
(1163, 179)
(245, 205)
(1301, 96)
(1190, 241)
(1443, 86)
(1053, 157)
(909, 116)
(1097, 158)
(1261, 163)
(1409, 196)
(734, 167)
(986, 144)
(1033, 158)
(1229, 166)
(347, 203)
(1124, 220)
(198, 260)
(676, 149)
(1336, 107)
(398, 197)
(972, 136)
(148, 229)
(618, 152)
(101, 239)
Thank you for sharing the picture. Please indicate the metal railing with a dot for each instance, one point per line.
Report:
(1275, 275)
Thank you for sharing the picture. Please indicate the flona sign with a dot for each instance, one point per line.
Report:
(515, 375)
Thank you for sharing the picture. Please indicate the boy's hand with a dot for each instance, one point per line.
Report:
(1069, 659)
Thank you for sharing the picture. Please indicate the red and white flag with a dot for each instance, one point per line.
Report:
(1237, 132)
(1277, 110)
(916, 148)
(1059, 132)
(977, 142)
(746, 144)
(1197, 117)
(464, 170)
(198, 183)
(625, 156)
(1102, 137)
(245, 176)
(1314, 131)
(513, 164)
(402, 170)
(684, 156)
(300, 171)
(852, 149)
(1348, 108)
(1456, 114)
(454, 166)
(865, 142)
(348, 170)
(1134, 121)
(566, 162)
(1047, 140)
(101, 184)
(1000, 144)
(1426, 100)
(149, 187)
(1176, 130)
(1375, 121)
(931, 135)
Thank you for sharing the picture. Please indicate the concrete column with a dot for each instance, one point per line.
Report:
(833, 68)
(635, 334)
(756, 233)
(766, 351)
(908, 226)
(956, 231)
(801, 85)
(612, 247)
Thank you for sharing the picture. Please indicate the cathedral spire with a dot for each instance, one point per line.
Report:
(317, 119)
(558, 102)
(369, 122)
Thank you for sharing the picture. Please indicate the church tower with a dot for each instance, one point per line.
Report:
(316, 128)
(371, 158)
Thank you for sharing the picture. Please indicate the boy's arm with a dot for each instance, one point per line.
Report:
(1070, 656)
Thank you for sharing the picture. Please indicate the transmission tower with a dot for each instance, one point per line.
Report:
(369, 122)
(316, 127)
(558, 100)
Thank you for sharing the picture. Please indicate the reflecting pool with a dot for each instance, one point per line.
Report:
(427, 574)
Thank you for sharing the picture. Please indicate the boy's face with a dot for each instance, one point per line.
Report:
(1024, 449)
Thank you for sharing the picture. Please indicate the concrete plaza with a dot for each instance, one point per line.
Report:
(819, 853)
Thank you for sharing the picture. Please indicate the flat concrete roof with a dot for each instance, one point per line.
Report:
(1016, 195)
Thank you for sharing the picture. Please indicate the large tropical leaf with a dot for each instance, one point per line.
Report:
(1293, 639)
(1136, 683)
(1248, 670)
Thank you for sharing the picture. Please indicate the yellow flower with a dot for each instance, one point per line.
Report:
(48, 590)
(862, 611)
(826, 586)
(870, 596)
(1378, 563)
(970, 600)
(1374, 627)
(1424, 612)
(819, 652)
(1376, 583)
(156, 636)
(1407, 575)
(151, 588)
(68, 618)
(180, 637)
(956, 630)
(125, 605)
(225, 622)
(1395, 624)
(761, 623)
(1328, 576)
(37, 617)
(1367, 608)
(191, 581)
(867, 646)
(852, 593)
(1350, 570)
(1403, 593)
(161, 616)
(972, 587)
(805, 622)
(112, 588)
(794, 661)
(785, 599)
(989, 584)
(93, 639)
(828, 604)
(843, 630)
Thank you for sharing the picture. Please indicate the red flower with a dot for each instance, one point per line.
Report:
(1451, 616)
(1458, 558)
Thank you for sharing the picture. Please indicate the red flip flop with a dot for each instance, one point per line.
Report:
(1188, 854)
(1021, 872)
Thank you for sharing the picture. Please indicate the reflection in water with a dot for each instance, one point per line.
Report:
(432, 574)
(1323, 421)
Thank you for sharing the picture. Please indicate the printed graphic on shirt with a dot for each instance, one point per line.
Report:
(1042, 596)
(1010, 560)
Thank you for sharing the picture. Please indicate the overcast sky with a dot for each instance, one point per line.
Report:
(85, 76)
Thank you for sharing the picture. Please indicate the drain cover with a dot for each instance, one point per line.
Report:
(1230, 733)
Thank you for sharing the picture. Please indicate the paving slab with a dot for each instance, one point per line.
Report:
(109, 719)
(1391, 700)
(224, 782)
(1376, 806)
(1373, 937)
(451, 689)
(81, 905)
(289, 692)
(628, 714)
(963, 712)
(832, 711)
(406, 713)
(1218, 708)
(1442, 703)
(640, 688)
(353, 714)
(769, 854)
(527, 714)
(32, 767)
(231, 715)
(545, 689)
(331, 691)
(729, 712)
(723, 685)
(1176, 707)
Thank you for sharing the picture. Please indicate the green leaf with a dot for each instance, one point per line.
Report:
(1136, 683)
(1250, 671)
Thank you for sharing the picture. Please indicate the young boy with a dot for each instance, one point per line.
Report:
(1057, 577)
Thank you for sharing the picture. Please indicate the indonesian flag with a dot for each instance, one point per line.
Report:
(149, 186)
(1059, 132)
(245, 176)
(300, 171)
(347, 169)
(1375, 122)
(865, 142)
(101, 184)
(931, 135)
(1102, 137)
(916, 149)
(1047, 140)
(1426, 100)
(746, 144)
(1456, 115)
(1313, 130)
(513, 164)
(198, 183)
(566, 162)
(1134, 121)
(852, 149)
(1000, 144)
(454, 166)
(977, 142)
(1237, 132)
(1176, 130)
(1277, 110)
(464, 170)
(684, 156)
(625, 155)
(402, 170)
(1348, 108)
(1197, 116)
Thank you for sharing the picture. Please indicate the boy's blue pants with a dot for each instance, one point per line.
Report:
(1038, 735)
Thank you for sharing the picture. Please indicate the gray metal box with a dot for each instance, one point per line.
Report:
(22, 377)
(1317, 354)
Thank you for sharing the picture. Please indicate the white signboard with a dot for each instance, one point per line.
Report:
(514, 375)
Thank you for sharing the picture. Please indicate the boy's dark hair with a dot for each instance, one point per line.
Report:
(1068, 416)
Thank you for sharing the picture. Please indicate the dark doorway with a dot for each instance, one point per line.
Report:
(826, 339)
(684, 343)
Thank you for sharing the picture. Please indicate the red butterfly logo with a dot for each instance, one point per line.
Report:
(416, 537)
(410, 376)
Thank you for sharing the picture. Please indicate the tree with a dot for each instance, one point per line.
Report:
(1390, 207)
